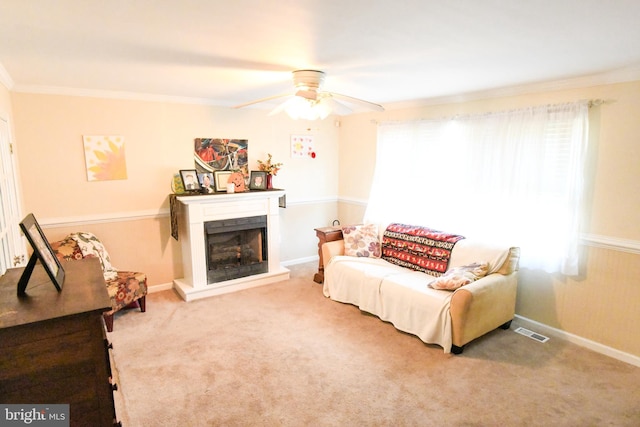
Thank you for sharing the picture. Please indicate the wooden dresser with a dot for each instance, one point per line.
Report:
(53, 348)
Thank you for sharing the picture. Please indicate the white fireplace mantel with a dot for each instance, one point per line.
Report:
(194, 211)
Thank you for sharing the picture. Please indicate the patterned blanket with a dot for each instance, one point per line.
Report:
(418, 248)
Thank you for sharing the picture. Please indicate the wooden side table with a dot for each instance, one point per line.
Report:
(325, 234)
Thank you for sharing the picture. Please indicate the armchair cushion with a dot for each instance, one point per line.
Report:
(67, 249)
(124, 287)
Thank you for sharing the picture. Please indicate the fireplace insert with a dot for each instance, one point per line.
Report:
(236, 247)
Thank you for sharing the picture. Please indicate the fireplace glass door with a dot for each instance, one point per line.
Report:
(236, 248)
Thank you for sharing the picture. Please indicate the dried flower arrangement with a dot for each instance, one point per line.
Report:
(268, 166)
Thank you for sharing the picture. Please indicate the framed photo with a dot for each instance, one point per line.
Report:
(206, 182)
(221, 178)
(258, 180)
(190, 179)
(41, 251)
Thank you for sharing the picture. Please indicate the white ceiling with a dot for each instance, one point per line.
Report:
(226, 52)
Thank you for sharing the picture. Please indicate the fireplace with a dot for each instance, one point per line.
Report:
(228, 242)
(236, 247)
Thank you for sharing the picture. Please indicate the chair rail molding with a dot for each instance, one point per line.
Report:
(612, 243)
(102, 218)
(587, 239)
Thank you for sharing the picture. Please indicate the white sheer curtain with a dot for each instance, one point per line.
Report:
(515, 177)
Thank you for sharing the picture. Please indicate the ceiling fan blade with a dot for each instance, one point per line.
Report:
(310, 102)
(257, 101)
(367, 104)
(337, 107)
(281, 107)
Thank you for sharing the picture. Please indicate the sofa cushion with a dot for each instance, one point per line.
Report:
(357, 280)
(457, 277)
(418, 248)
(361, 241)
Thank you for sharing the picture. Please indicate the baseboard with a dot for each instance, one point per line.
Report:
(159, 288)
(300, 260)
(582, 342)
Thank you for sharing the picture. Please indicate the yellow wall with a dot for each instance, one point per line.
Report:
(602, 304)
(131, 216)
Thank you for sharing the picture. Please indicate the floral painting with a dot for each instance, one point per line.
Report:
(104, 157)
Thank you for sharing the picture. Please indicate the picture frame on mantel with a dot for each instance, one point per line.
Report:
(221, 178)
(206, 183)
(190, 179)
(258, 180)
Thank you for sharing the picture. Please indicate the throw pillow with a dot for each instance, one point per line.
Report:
(361, 241)
(460, 276)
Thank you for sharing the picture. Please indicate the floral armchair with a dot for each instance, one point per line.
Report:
(126, 289)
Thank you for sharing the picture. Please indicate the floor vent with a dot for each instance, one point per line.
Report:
(532, 335)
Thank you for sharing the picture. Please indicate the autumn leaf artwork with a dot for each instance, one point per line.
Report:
(104, 156)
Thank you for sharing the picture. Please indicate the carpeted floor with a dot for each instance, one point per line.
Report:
(284, 355)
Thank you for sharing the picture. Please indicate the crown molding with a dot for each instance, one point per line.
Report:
(5, 78)
(111, 94)
(622, 75)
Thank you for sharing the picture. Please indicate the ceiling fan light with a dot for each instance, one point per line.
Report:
(323, 108)
(297, 107)
(310, 102)
(302, 108)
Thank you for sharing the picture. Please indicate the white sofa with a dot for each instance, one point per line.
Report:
(404, 297)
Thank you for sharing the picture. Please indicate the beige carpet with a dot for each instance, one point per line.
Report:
(284, 355)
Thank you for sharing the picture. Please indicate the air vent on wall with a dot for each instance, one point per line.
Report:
(532, 335)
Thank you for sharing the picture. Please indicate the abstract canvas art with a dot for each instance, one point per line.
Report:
(221, 154)
(104, 157)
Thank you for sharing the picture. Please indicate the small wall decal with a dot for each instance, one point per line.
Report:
(302, 146)
(104, 157)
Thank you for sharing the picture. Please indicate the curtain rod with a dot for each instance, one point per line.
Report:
(590, 103)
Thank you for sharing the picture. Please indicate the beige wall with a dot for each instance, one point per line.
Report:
(131, 216)
(5, 102)
(602, 304)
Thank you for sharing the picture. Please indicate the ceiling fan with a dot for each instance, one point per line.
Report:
(309, 101)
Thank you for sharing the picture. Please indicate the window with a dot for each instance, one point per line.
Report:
(11, 243)
(514, 176)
